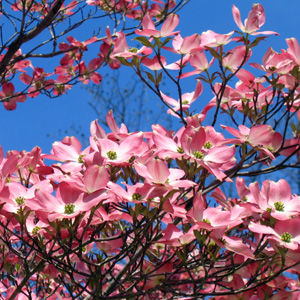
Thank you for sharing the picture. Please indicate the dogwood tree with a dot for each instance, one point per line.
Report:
(33, 32)
(140, 215)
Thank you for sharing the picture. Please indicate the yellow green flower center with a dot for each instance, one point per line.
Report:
(80, 160)
(20, 200)
(180, 150)
(279, 206)
(69, 208)
(198, 154)
(286, 237)
(112, 155)
(36, 229)
(133, 50)
(136, 196)
(208, 145)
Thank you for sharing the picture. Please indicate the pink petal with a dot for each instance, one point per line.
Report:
(237, 17)
(158, 170)
(169, 25)
(95, 178)
(8, 88)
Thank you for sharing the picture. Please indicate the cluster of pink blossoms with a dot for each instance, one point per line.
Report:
(72, 67)
(141, 215)
(92, 204)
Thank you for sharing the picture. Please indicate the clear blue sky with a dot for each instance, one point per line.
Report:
(29, 125)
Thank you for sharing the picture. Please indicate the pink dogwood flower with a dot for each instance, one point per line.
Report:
(157, 172)
(187, 99)
(37, 81)
(184, 45)
(259, 135)
(273, 62)
(294, 49)
(166, 146)
(69, 151)
(155, 63)
(173, 236)
(121, 48)
(275, 198)
(166, 30)
(137, 193)
(15, 195)
(69, 202)
(199, 61)
(211, 218)
(8, 90)
(286, 233)
(255, 20)
(211, 39)
(214, 159)
(118, 154)
(88, 72)
(235, 58)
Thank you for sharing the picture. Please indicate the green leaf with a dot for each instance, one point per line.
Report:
(132, 213)
(166, 41)
(198, 235)
(150, 77)
(157, 42)
(135, 61)
(18, 266)
(143, 40)
(124, 61)
(158, 79)
(295, 72)
(152, 213)
(294, 128)
(257, 41)
(214, 53)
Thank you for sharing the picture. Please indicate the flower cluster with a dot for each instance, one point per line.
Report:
(141, 215)
(124, 203)
(38, 16)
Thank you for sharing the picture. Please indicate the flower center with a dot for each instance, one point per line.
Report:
(208, 145)
(69, 208)
(286, 237)
(279, 206)
(180, 150)
(20, 200)
(133, 50)
(36, 229)
(80, 160)
(136, 196)
(206, 221)
(198, 154)
(112, 155)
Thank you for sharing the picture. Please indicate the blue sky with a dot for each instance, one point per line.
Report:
(34, 120)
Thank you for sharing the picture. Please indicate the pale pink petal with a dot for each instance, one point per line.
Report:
(169, 25)
(294, 49)
(237, 17)
(158, 170)
(95, 178)
(236, 245)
